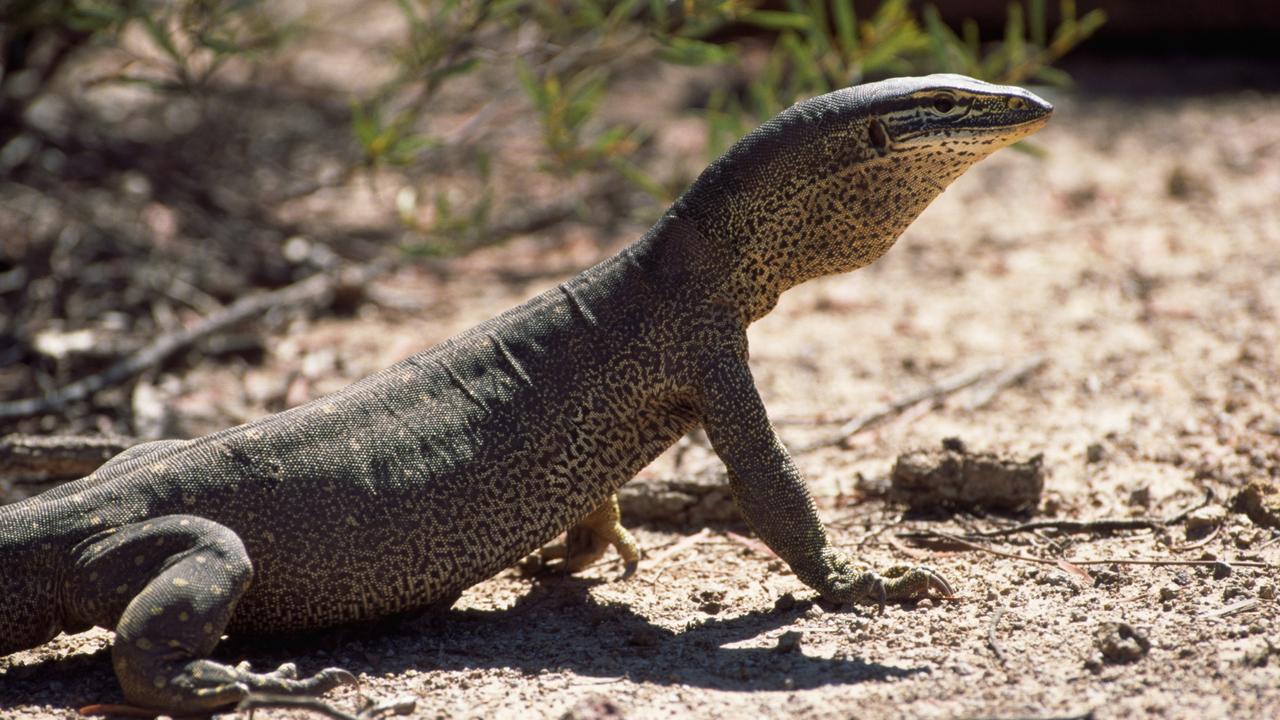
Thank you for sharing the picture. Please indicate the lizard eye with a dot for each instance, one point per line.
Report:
(944, 104)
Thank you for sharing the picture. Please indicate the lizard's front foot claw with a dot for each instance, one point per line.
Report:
(908, 582)
(865, 587)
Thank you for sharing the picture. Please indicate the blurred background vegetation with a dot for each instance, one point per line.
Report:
(163, 158)
(568, 58)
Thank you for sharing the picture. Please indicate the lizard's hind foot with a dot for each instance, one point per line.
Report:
(587, 542)
(212, 685)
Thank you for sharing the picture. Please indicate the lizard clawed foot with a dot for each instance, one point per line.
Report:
(587, 542)
(907, 582)
(900, 582)
(211, 684)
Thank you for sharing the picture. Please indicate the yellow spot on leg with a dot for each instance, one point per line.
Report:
(208, 628)
(181, 582)
(143, 644)
(183, 616)
(159, 682)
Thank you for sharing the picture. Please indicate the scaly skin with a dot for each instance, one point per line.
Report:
(395, 494)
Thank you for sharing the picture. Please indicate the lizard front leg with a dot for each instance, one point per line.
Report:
(777, 505)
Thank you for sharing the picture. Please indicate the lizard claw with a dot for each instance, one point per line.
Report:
(916, 582)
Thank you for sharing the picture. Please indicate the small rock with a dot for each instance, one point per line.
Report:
(1221, 569)
(1106, 578)
(1246, 539)
(1260, 500)
(645, 637)
(1204, 521)
(955, 477)
(596, 707)
(789, 642)
(1233, 592)
(1267, 591)
(1095, 453)
(1168, 592)
(1258, 653)
(1140, 497)
(1119, 642)
(711, 601)
(784, 602)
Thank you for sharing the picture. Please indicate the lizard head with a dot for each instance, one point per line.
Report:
(830, 183)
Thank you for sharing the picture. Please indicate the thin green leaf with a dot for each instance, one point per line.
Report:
(846, 22)
(1014, 39)
(1029, 148)
(687, 51)
(1035, 15)
(161, 37)
(777, 20)
(1052, 76)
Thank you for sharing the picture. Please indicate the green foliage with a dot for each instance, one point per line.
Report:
(822, 46)
(188, 41)
(566, 58)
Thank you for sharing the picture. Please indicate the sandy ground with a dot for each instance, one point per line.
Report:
(1140, 258)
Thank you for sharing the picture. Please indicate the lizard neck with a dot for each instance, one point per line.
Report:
(758, 239)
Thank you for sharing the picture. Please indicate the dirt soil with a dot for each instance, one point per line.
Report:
(1140, 258)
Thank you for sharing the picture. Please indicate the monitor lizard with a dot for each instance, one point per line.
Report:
(393, 495)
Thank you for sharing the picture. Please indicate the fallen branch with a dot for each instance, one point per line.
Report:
(1002, 376)
(1005, 379)
(37, 458)
(311, 290)
(1233, 608)
(1097, 525)
(992, 641)
(927, 534)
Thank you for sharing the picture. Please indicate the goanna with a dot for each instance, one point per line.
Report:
(396, 493)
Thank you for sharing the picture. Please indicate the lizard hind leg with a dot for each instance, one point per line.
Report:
(588, 541)
(169, 587)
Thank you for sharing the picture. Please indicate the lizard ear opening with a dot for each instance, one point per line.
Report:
(878, 136)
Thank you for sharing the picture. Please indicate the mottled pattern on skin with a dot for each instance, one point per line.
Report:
(395, 494)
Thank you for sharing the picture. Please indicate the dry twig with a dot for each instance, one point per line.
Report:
(992, 641)
(311, 290)
(1002, 376)
(39, 458)
(927, 534)
(1097, 525)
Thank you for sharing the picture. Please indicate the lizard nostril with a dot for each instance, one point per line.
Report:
(877, 135)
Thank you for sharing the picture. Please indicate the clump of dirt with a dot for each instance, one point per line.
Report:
(955, 478)
(1260, 500)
